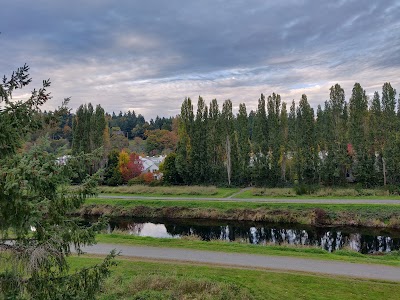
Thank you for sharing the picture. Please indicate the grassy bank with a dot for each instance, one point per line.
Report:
(217, 192)
(392, 259)
(369, 215)
(133, 279)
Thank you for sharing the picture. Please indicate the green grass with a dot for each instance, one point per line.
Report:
(131, 279)
(257, 193)
(392, 259)
(233, 204)
(169, 191)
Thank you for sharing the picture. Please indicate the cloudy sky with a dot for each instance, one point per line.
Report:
(150, 55)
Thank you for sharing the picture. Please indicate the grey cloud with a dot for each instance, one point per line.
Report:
(152, 54)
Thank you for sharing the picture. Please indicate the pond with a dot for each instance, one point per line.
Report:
(361, 239)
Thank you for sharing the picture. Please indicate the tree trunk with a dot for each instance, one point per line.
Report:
(384, 171)
(228, 159)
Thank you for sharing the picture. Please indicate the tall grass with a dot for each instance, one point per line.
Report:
(161, 190)
(319, 192)
(161, 286)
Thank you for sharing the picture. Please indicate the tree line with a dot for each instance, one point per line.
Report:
(344, 141)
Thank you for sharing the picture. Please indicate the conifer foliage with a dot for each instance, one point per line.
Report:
(36, 232)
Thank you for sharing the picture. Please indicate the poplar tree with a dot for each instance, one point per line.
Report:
(183, 159)
(376, 135)
(306, 152)
(243, 144)
(388, 130)
(199, 145)
(260, 144)
(358, 135)
(274, 138)
(335, 128)
(284, 147)
(292, 140)
(231, 162)
(215, 148)
(260, 129)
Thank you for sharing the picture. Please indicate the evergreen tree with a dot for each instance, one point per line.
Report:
(33, 264)
(112, 175)
(170, 173)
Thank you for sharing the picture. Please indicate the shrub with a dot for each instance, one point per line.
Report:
(305, 189)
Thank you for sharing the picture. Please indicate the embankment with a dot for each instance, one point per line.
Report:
(380, 216)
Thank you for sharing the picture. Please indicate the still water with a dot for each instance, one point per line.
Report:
(364, 240)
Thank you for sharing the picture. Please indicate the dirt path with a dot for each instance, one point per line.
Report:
(257, 200)
(253, 261)
(239, 192)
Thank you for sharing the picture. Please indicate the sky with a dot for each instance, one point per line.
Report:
(149, 55)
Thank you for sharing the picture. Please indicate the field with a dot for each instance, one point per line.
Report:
(134, 279)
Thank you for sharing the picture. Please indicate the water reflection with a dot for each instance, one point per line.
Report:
(364, 240)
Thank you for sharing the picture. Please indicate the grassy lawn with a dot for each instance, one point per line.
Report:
(169, 191)
(392, 259)
(133, 279)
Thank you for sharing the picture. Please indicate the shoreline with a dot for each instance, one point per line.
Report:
(320, 215)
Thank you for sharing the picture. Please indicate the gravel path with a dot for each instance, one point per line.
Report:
(257, 200)
(254, 261)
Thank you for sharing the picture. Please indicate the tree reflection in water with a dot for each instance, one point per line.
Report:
(364, 240)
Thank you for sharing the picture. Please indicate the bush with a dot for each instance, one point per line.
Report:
(393, 189)
(137, 180)
(305, 189)
(319, 216)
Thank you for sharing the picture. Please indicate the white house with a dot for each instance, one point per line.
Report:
(150, 164)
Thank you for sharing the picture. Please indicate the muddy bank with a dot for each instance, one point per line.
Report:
(307, 216)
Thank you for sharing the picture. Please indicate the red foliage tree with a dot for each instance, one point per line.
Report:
(148, 177)
(131, 168)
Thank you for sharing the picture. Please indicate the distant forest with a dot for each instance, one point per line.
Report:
(354, 141)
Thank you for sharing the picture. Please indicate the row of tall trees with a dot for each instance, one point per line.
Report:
(344, 141)
(90, 129)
